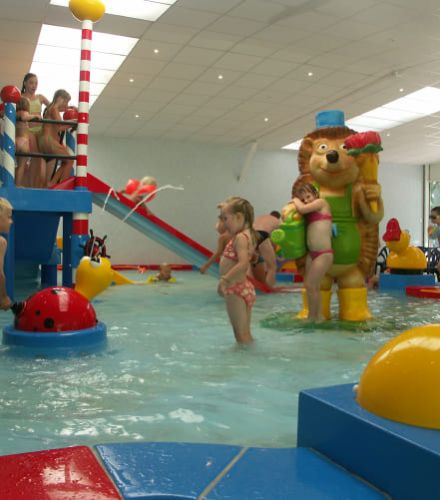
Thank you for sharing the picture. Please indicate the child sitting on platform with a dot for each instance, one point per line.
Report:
(49, 140)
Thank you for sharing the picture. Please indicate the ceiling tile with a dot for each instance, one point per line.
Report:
(181, 70)
(142, 66)
(145, 49)
(215, 41)
(257, 10)
(255, 47)
(168, 84)
(201, 56)
(236, 26)
(255, 81)
(168, 33)
(237, 62)
(221, 7)
(274, 67)
(280, 34)
(179, 16)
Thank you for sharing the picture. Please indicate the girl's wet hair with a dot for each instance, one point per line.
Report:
(27, 77)
(307, 188)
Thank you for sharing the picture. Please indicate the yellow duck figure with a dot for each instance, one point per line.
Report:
(402, 257)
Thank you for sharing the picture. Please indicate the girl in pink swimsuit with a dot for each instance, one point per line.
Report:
(319, 242)
(237, 216)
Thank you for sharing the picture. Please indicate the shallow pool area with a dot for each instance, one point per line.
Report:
(172, 372)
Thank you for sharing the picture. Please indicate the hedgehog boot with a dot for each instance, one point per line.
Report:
(353, 304)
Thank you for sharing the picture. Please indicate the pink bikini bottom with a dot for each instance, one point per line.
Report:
(245, 290)
(317, 253)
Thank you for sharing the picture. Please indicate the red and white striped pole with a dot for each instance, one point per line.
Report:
(88, 12)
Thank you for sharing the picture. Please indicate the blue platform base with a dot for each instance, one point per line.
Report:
(87, 340)
(401, 281)
(196, 471)
(400, 459)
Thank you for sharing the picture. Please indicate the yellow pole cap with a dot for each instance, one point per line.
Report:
(87, 10)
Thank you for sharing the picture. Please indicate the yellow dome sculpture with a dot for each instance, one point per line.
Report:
(402, 380)
(87, 10)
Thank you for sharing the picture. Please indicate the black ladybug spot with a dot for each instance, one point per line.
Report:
(37, 312)
(54, 291)
(49, 322)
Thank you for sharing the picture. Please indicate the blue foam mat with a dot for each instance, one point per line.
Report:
(400, 459)
(289, 473)
(164, 470)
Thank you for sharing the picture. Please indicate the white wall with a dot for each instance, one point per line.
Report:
(208, 174)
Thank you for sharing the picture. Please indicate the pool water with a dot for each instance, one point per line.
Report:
(172, 371)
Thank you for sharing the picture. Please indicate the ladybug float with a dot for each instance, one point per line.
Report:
(57, 318)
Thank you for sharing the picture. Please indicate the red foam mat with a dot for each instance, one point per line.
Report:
(64, 473)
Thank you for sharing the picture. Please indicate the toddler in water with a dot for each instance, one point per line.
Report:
(237, 216)
(5, 225)
(319, 232)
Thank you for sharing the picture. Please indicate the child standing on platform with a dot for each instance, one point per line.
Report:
(319, 233)
(38, 165)
(5, 225)
(237, 216)
(49, 140)
(22, 142)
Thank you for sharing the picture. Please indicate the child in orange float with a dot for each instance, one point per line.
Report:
(319, 232)
(22, 142)
(237, 215)
(49, 140)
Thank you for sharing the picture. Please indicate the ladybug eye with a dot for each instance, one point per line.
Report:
(322, 147)
(343, 146)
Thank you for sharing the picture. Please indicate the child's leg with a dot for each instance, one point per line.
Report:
(22, 146)
(62, 173)
(37, 166)
(316, 271)
(240, 317)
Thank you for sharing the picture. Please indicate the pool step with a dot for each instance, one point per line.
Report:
(203, 471)
(400, 459)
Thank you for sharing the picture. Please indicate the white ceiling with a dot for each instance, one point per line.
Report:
(360, 52)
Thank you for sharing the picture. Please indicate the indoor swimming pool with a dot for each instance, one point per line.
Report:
(172, 371)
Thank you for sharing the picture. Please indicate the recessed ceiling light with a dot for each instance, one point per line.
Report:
(220, 77)
(137, 9)
(156, 51)
(266, 119)
(131, 80)
(310, 73)
(136, 116)
(400, 90)
(388, 134)
(423, 102)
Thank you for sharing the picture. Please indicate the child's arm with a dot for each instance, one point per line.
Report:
(5, 301)
(306, 208)
(24, 116)
(221, 243)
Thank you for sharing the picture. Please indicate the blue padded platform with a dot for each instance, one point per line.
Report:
(164, 470)
(190, 471)
(401, 281)
(289, 473)
(400, 459)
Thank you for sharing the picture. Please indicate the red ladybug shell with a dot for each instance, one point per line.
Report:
(56, 309)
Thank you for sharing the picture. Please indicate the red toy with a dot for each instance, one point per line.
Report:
(149, 188)
(56, 309)
(10, 94)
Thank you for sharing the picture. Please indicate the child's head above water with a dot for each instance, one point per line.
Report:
(165, 271)
(307, 192)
